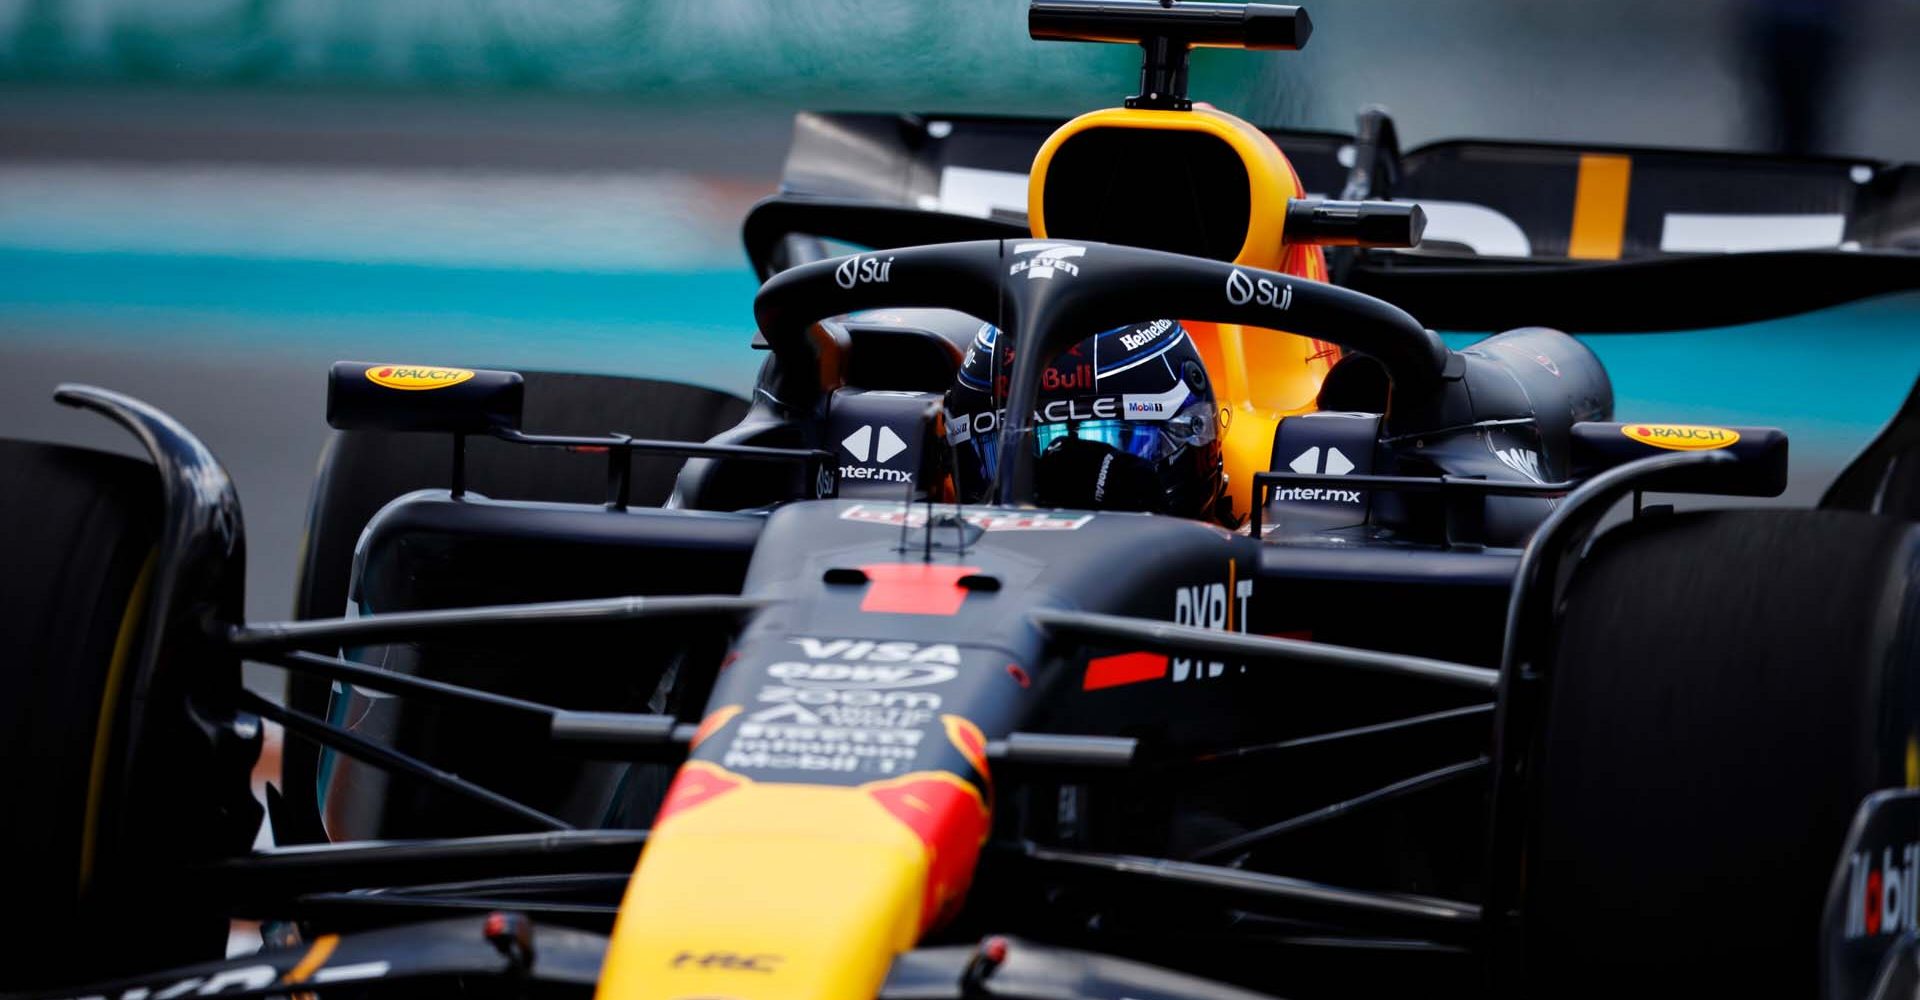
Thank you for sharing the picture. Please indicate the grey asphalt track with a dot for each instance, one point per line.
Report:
(262, 410)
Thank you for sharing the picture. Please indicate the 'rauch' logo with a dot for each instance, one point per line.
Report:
(416, 377)
(1681, 437)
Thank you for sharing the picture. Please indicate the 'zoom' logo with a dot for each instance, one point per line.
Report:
(1259, 291)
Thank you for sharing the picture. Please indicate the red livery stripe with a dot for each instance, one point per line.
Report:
(1126, 668)
(915, 588)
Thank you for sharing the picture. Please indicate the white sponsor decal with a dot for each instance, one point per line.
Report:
(1521, 460)
(873, 651)
(1259, 291)
(872, 676)
(1682, 232)
(965, 427)
(1047, 259)
(848, 709)
(885, 445)
(864, 444)
(870, 472)
(822, 748)
(820, 698)
(1881, 899)
(1320, 495)
(860, 716)
(1205, 606)
(1309, 462)
(1155, 405)
(743, 761)
(1330, 461)
(859, 270)
(1478, 228)
(986, 520)
(787, 712)
(344, 973)
(1145, 335)
(981, 193)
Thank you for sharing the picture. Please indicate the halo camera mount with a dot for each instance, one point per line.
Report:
(1167, 31)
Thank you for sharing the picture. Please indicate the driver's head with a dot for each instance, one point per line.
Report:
(1126, 420)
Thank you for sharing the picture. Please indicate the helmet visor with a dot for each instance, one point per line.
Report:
(1153, 440)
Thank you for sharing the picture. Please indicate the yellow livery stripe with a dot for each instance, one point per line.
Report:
(311, 962)
(769, 892)
(1600, 207)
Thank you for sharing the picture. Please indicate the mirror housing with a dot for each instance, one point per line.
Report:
(393, 397)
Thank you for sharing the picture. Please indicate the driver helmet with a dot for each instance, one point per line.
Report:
(1125, 420)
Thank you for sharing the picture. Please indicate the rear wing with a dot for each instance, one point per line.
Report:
(1497, 199)
(969, 165)
(1585, 238)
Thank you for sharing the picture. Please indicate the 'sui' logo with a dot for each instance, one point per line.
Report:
(1259, 291)
(1047, 258)
(857, 270)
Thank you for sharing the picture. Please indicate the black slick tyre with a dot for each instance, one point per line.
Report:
(1725, 688)
(79, 530)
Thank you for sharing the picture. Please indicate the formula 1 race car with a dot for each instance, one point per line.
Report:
(914, 677)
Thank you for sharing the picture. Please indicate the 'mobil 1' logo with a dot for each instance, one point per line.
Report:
(414, 377)
(1681, 437)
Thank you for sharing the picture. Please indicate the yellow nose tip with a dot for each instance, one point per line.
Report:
(777, 891)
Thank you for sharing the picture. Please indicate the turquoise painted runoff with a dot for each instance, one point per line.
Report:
(1830, 377)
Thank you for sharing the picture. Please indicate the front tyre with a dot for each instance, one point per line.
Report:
(1726, 687)
(79, 531)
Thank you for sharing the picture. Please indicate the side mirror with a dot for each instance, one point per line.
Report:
(1760, 469)
(1354, 223)
(389, 397)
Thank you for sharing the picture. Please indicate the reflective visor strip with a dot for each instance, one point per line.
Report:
(1140, 439)
(1143, 432)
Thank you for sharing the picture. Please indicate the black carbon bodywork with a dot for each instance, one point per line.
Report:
(1157, 717)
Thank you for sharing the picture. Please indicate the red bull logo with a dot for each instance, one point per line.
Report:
(1078, 378)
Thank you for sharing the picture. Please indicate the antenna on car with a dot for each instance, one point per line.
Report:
(1167, 31)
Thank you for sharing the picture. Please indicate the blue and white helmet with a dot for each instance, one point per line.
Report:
(1131, 408)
